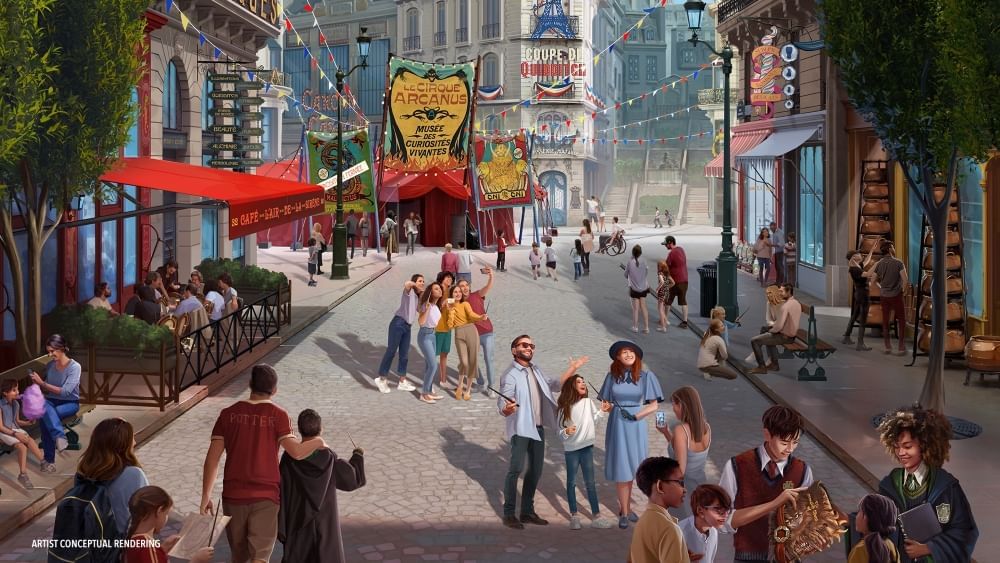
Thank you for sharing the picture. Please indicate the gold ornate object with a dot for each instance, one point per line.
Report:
(809, 525)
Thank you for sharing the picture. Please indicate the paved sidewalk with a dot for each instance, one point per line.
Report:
(435, 472)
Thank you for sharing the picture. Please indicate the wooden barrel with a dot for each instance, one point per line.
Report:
(954, 339)
(953, 284)
(877, 207)
(983, 353)
(952, 261)
(953, 311)
(876, 191)
(939, 193)
(875, 226)
(874, 175)
(953, 239)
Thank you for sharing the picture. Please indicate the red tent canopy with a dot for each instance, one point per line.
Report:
(399, 185)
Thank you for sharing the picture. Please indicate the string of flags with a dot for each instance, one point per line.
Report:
(543, 127)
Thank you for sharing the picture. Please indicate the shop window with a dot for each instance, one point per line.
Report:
(759, 197)
(812, 209)
(132, 145)
(86, 252)
(206, 103)
(971, 196)
(109, 257)
(209, 233)
(171, 98)
(239, 249)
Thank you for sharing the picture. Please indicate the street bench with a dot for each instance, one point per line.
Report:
(809, 347)
(35, 431)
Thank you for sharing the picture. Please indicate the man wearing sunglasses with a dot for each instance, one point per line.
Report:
(528, 402)
(657, 537)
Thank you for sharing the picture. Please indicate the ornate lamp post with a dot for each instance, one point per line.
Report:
(339, 270)
(727, 260)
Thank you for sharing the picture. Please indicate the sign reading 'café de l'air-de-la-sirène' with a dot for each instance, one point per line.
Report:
(245, 108)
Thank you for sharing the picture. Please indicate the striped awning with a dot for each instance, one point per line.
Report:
(742, 141)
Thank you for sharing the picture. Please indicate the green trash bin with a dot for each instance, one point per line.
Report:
(709, 289)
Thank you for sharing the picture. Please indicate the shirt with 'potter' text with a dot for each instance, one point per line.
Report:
(252, 432)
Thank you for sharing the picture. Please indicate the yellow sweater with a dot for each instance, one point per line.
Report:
(860, 555)
(657, 538)
(462, 314)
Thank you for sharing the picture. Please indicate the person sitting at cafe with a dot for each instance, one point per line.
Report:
(100, 300)
(147, 308)
(155, 282)
(190, 302)
(198, 281)
(168, 273)
(228, 292)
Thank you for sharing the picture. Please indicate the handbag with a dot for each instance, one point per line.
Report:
(33, 402)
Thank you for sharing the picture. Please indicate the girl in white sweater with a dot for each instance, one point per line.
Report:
(577, 417)
(712, 353)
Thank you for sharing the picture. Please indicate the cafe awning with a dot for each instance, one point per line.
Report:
(255, 202)
(741, 142)
(780, 143)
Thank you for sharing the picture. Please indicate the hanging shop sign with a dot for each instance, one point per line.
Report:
(249, 100)
(502, 172)
(223, 129)
(248, 85)
(235, 162)
(222, 112)
(228, 146)
(223, 94)
(359, 185)
(764, 87)
(258, 115)
(428, 117)
(252, 216)
(231, 87)
(561, 62)
(224, 77)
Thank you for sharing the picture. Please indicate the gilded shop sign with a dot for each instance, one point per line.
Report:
(265, 10)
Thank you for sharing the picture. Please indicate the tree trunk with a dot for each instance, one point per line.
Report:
(13, 256)
(33, 311)
(932, 394)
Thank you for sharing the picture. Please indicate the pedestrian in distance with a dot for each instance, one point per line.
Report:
(691, 438)
(890, 274)
(593, 207)
(251, 487)
(535, 259)
(600, 214)
(11, 433)
(578, 416)
(149, 509)
(449, 260)
(635, 393)
(587, 237)
(662, 290)
(709, 507)
(550, 260)
(352, 230)
(61, 387)
(791, 259)
(320, 242)
(718, 313)
(713, 352)
(313, 260)
(462, 319)
(429, 314)
(670, 217)
(576, 253)
(364, 230)
(442, 332)
(527, 403)
(501, 251)
(308, 520)
(657, 537)
(762, 251)
(778, 252)
(761, 479)
(876, 522)
(388, 232)
(678, 269)
(412, 227)
(783, 331)
(657, 224)
(464, 263)
(861, 276)
(399, 336)
(638, 288)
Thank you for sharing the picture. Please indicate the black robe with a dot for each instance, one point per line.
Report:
(308, 523)
(958, 535)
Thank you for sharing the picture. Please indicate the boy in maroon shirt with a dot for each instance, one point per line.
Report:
(677, 267)
(250, 432)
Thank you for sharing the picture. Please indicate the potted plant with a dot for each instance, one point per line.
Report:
(251, 282)
(122, 343)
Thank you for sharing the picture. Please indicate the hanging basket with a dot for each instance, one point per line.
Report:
(952, 261)
(954, 340)
(876, 191)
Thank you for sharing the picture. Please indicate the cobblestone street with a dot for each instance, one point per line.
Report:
(435, 472)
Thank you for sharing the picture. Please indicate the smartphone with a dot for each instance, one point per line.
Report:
(484, 270)
(451, 300)
(661, 419)
(30, 371)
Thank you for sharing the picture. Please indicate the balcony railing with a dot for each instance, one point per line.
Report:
(715, 96)
(491, 30)
(730, 8)
(574, 24)
(411, 43)
(440, 38)
(462, 35)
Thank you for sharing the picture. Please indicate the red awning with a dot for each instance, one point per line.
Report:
(742, 141)
(287, 169)
(255, 202)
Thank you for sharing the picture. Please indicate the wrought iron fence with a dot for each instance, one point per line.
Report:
(491, 31)
(715, 96)
(730, 8)
(411, 43)
(206, 350)
(440, 38)
(462, 35)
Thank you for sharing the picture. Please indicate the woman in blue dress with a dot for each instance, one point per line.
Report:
(634, 393)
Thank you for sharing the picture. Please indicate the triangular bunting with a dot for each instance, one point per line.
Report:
(185, 22)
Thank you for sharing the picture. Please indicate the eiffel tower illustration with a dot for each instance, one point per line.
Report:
(552, 18)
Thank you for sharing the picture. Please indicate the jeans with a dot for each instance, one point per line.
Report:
(467, 276)
(487, 343)
(770, 340)
(399, 339)
(779, 267)
(577, 270)
(501, 260)
(859, 313)
(585, 258)
(425, 340)
(535, 452)
(51, 424)
(584, 459)
(765, 269)
(350, 240)
(411, 239)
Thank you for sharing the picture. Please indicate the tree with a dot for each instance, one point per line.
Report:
(66, 84)
(926, 75)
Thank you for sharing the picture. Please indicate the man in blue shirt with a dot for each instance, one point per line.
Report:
(190, 303)
(532, 405)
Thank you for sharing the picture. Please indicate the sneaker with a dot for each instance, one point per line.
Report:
(684, 324)
(491, 394)
(707, 376)
(759, 370)
(405, 385)
(61, 444)
(383, 387)
(574, 522)
(633, 517)
(24, 481)
(623, 522)
(47, 467)
(601, 523)
(661, 329)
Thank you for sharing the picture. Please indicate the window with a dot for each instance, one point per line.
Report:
(169, 227)
(633, 68)
(649, 34)
(652, 69)
(811, 207)
(49, 282)
(759, 198)
(130, 268)
(171, 98)
(972, 199)
(554, 183)
(340, 57)
(412, 40)
(369, 87)
(267, 124)
(440, 27)
(209, 233)
(296, 69)
(555, 124)
(462, 23)
(491, 70)
(206, 103)
(86, 249)
(491, 19)
(238, 249)
(688, 57)
(109, 257)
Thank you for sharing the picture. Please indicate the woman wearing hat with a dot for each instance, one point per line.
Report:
(635, 393)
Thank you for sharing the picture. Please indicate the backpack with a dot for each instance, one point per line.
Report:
(86, 513)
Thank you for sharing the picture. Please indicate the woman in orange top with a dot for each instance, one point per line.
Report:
(463, 319)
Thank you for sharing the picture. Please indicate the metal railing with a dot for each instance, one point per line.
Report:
(491, 30)
(715, 96)
(206, 350)
(462, 35)
(730, 8)
(440, 38)
(411, 43)
(555, 144)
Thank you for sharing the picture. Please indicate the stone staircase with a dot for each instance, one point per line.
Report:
(696, 207)
(615, 204)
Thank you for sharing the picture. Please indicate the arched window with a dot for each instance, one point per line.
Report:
(555, 184)
(171, 98)
(206, 103)
(491, 70)
(412, 40)
(491, 19)
(555, 124)
(462, 21)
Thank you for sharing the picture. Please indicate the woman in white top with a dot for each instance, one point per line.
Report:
(600, 215)
(577, 415)
(638, 288)
(587, 238)
(691, 439)
(713, 351)
(428, 315)
(762, 250)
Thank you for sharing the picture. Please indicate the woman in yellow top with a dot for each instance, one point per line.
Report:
(463, 319)
(876, 520)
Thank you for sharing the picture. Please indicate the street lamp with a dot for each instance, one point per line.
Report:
(727, 260)
(339, 270)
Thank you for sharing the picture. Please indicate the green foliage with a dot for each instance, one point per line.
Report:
(628, 169)
(83, 325)
(244, 277)
(647, 203)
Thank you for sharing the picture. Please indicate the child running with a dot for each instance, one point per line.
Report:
(149, 508)
(577, 254)
(535, 257)
(313, 260)
(577, 415)
(550, 260)
(11, 433)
